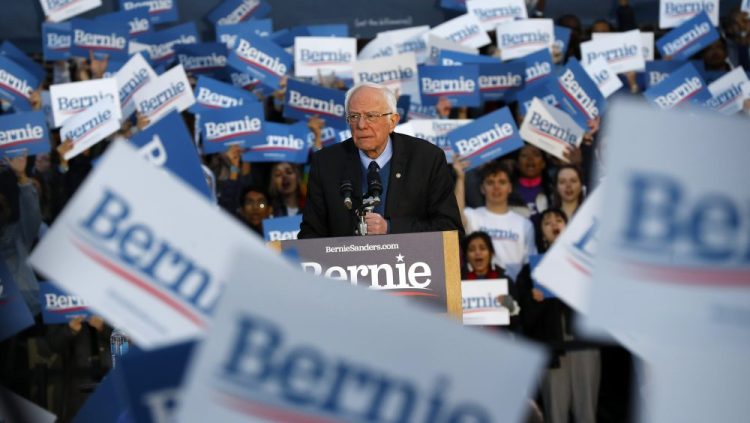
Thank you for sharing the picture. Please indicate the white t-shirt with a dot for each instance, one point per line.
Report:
(512, 236)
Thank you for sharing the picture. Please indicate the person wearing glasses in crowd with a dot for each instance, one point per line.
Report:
(254, 208)
(417, 186)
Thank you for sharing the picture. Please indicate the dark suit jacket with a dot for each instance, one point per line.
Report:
(420, 194)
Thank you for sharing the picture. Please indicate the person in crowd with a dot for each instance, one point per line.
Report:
(286, 193)
(255, 207)
(415, 178)
(569, 190)
(530, 187)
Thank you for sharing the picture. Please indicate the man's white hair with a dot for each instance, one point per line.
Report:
(388, 95)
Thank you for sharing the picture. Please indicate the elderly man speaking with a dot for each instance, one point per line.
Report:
(412, 175)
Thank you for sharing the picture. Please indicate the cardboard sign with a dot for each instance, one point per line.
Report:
(647, 42)
(160, 11)
(223, 128)
(689, 38)
(138, 20)
(23, 133)
(314, 56)
(681, 86)
(137, 256)
(455, 58)
(56, 40)
(16, 84)
(281, 228)
(492, 13)
(541, 92)
(92, 125)
(550, 129)
(434, 131)
(58, 306)
(203, 58)
(104, 39)
(160, 45)
(580, 97)
(231, 12)
(399, 41)
(604, 77)
(260, 58)
(465, 30)
(501, 81)
(487, 138)
(673, 13)
(227, 34)
(15, 315)
(538, 68)
(520, 38)
(659, 70)
(305, 100)
(131, 78)
(168, 144)
(727, 92)
(436, 44)
(562, 40)
(60, 10)
(74, 97)
(170, 91)
(280, 143)
(211, 94)
(459, 84)
(480, 303)
(623, 52)
(399, 73)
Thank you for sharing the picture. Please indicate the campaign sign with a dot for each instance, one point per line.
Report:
(231, 12)
(160, 44)
(345, 338)
(520, 38)
(74, 97)
(581, 97)
(534, 261)
(168, 144)
(92, 125)
(480, 303)
(103, 39)
(419, 111)
(681, 86)
(689, 38)
(131, 78)
(202, 58)
(160, 11)
(16, 84)
(58, 306)
(550, 129)
(260, 58)
(145, 265)
(15, 315)
(402, 41)
(456, 58)
(604, 77)
(398, 72)
(20, 57)
(223, 128)
(459, 84)
(56, 40)
(465, 30)
(211, 94)
(60, 10)
(674, 232)
(170, 91)
(659, 70)
(541, 92)
(304, 100)
(673, 13)
(23, 133)
(727, 95)
(487, 138)
(280, 143)
(492, 13)
(500, 81)
(138, 20)
(13, 404)
(647, 42)
(623, 51)
(538, 67)
(434, 131)
(281, 228)
(227, 34)
(562, 40)
(314, 56)
(436, 44)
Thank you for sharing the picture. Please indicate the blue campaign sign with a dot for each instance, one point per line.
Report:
(14, 313)
(459, 84)
(533, 263)
(689, 38)
(261, 58)
(501, 81)
(161, 11)
(228, 34)
(153, 381)
(161, 43)
(304, 100)
(579, 94)
(457, 58)
(58, 306)
(168, 144)
(211, 94)
(542, 92)
(203, 58)
(281, 228)
(562, 39)
(487, 138)
(56, 40)
(659, 70)
(455, 5)
(223, 128)
(421, 111)
(403, 107)
(683, 85)
(539, 67)
(102, 38)
(16, 84)
(108, 403)
(24, 133)
(231, 12)
(328, 30)
(282, 143)
(17, 55)
(137, 19)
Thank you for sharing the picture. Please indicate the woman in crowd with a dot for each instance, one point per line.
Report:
(530, 186)
(569, 190)
(286, 195)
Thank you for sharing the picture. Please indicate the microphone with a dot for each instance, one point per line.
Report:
(374, 186)
(346, 189)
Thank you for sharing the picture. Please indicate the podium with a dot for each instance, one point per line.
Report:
(423, 266)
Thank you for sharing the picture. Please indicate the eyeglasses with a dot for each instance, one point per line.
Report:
(369, 117)
(255, 203)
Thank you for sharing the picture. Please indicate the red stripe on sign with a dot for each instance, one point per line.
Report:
(271, 413)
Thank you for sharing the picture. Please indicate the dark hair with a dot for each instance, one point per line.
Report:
(252, 188)
(556, 200)
(492, 168)
(484, 236)
(541, 244)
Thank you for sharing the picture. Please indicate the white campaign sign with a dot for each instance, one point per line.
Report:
(131, 78)
(435, 44)
(399, 73)
(602, 74)
(480, 304)
(126, 243)
(623, 51)
(75, 97)
(60, 10)
(647, 42)
(406, 40)
(465, 30)
(294, 347)
(315, 56)
(727, 92)
(492, 13)
(550, 129)
(519, 38)
(674, 12)
(170, 91)
(434, 131)
(91, 126)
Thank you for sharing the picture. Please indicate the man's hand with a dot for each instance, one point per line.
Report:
(376, 225)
